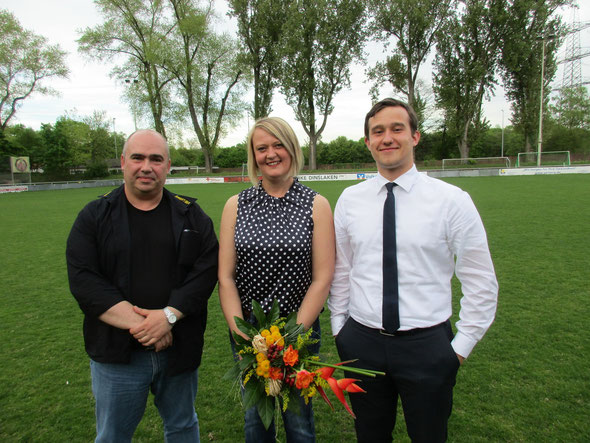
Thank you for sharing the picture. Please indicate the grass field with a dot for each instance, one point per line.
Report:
(527, 381)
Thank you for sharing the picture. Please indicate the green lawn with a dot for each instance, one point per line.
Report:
(527, 381)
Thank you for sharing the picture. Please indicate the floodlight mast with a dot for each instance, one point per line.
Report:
(540, 138)
(115, 137)
(502, 151)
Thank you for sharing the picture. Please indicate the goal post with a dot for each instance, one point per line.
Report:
(548, 158)
(244, 171)
(476, 162)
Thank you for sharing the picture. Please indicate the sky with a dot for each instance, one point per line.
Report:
(89, 87)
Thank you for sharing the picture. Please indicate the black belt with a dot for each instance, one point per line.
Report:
(399, 333)
(408, 332)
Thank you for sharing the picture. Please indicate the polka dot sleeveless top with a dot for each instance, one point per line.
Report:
(273, 247)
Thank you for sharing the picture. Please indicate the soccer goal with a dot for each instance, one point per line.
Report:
(475, 163)
(548, 158)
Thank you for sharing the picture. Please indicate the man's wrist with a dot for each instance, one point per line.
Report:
(170, 316)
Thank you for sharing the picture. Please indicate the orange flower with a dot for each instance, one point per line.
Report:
(338, 387)
(276, 373)
(291, 356)
(303, 379)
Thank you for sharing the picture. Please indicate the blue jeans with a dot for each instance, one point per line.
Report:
(121, 392)
(299, 427)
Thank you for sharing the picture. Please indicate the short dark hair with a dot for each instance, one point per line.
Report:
(385, 103)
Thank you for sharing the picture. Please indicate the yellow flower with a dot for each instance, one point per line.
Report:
(265, 365)
(248, 375)
(260, 357)
(274, 329)
(276, 335)
(300, 342)
(265, 332)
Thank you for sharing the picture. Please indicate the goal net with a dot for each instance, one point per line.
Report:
(548, 158)
(476, 163)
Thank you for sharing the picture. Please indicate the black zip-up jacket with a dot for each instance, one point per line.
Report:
(98, 253)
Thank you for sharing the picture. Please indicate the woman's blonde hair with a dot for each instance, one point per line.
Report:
(279, 128)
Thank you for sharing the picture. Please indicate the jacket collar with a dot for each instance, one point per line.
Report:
(179, 207)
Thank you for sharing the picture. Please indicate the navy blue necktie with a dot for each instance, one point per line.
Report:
(390, 287)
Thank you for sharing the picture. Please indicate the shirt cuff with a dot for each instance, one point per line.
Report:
(337, 322)
(463, 345)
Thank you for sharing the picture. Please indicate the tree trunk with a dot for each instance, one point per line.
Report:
(527, 143)
(208, 161)
(463, 145)
(313, 141)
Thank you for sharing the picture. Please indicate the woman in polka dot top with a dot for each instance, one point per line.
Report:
(276, 242)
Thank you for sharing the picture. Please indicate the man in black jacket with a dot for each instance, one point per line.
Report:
(142, 264)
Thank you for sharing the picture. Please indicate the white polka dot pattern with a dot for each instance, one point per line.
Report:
(273, 246)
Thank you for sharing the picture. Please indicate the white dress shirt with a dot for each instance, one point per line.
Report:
(439, 232)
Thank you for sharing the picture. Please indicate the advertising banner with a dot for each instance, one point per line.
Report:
(20, 165)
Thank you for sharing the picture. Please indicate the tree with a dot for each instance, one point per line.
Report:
(414, 24)
(65, 144)
(560, 138)
(261, 37)
(186, 157)
(25, 141)
(531, 25)
(209, 73)
(232, 157)
(136, 30)
(26, 61)
(572, 108)
(343, 150)
(466, 62)
(6, 150)
(99, 143)
(323, 38)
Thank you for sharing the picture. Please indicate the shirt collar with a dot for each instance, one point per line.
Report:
(404, 181)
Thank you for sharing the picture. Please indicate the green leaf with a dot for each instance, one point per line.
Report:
(274, 313)
(260, 315)
(246, 361)
(292, 329)
(266, 408)
(240, 341)
(291, 324)
(245, 327)
(233, 373)
(253, 393)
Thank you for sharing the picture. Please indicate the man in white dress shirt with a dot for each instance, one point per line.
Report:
(439, 232)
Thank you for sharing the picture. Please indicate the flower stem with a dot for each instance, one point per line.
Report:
(367, 372)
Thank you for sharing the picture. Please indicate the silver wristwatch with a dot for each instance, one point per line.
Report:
(170, 316)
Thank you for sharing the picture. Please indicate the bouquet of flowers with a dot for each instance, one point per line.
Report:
(276, 363)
